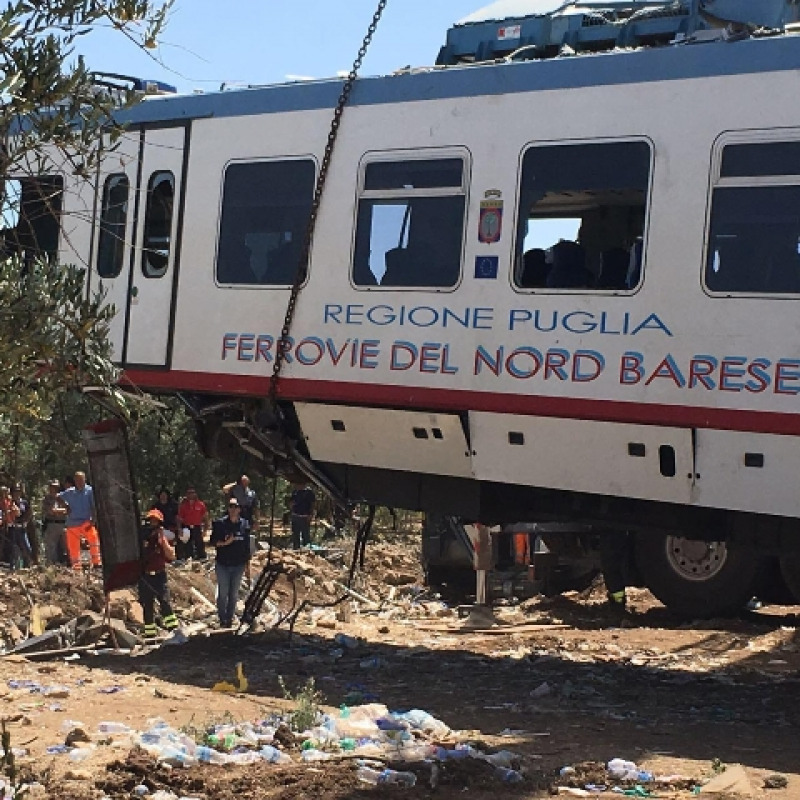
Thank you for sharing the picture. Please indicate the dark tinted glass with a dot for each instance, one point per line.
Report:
(113, 215)
(31, 212)
(754, 160)
(266, 207)
(754, 240)
(583, 167)
(158, 224)
(430, 174)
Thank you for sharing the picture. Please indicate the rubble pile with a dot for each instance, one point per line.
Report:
(53, 609)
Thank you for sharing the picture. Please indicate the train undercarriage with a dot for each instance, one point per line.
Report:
(700, 562)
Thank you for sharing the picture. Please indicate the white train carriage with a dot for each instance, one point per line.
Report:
(564, 288)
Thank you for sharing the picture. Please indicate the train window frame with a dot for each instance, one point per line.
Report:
(53, 183)
(148, 270)
(385, 196)
(307, 158)
(105, 228)
(719, 181)
(520, 221)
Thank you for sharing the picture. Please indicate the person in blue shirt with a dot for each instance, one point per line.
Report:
(80, 522)
(230, 535)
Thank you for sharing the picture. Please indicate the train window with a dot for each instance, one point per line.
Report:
(158, 224)
(583, 209)
(113, 217)
(754, 234)
(754, 160)
(266, 206)
(29, 216)
(410, 225)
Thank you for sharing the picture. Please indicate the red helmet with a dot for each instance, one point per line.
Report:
(154, 513)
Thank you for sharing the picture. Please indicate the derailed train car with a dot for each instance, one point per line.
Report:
(561, 288)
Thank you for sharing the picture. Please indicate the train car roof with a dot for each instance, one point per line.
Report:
(644, 65)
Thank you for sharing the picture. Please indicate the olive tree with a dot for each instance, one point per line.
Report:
(55, 118)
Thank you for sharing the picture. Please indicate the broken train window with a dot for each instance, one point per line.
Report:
(30, 216)
(583, 209)
(410, 226)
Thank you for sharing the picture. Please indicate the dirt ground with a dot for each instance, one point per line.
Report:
(558, 681)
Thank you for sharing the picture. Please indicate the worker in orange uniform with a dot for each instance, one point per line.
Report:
(80, 522)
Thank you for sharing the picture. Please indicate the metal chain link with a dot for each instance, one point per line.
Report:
(302, 266)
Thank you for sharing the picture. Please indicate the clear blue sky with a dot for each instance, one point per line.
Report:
(208, 42)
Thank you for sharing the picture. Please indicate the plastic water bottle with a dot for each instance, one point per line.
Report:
(175, 756)
(622, 770)
(274, 756)
(80, 754)
(208, 755)
(424, 721)
(348, 642)
(502, 758)
(315, 755)
(386, 777)
(245, 757)
(508, 775)
(113, 727)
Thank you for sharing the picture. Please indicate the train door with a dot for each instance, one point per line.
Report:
(113, 235)
(156, 253)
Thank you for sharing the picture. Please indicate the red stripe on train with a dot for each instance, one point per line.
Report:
(454, 400)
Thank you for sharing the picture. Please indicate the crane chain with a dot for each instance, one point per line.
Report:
(302, 266)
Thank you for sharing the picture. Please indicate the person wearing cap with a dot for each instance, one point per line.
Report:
(157, 552)
(54, 517)
(230, 535)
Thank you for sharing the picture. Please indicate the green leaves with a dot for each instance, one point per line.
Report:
(52, 337)
(50, 104)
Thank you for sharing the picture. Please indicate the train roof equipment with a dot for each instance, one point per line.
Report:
(540, 29)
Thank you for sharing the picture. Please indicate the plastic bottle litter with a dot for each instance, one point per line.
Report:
(113, 727)
(413, 751)
(348, 642)
(508, 775)
(176, 756)
(274, 756)
(245, 757)
(386, 777)
(315, 755)
(141, 790)
(622, 770)
(503, 758)
(78, 754)
(423, 721)
(207, 755)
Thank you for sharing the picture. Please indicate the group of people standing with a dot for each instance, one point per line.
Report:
(67, 518)
(177, 530)
(174, 531)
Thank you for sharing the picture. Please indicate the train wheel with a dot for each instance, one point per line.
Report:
(790, 571)
(698, 579)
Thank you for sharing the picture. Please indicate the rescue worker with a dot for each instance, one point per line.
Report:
(80, 521)
(157, 552)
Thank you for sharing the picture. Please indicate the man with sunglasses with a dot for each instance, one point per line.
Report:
(230, 535)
